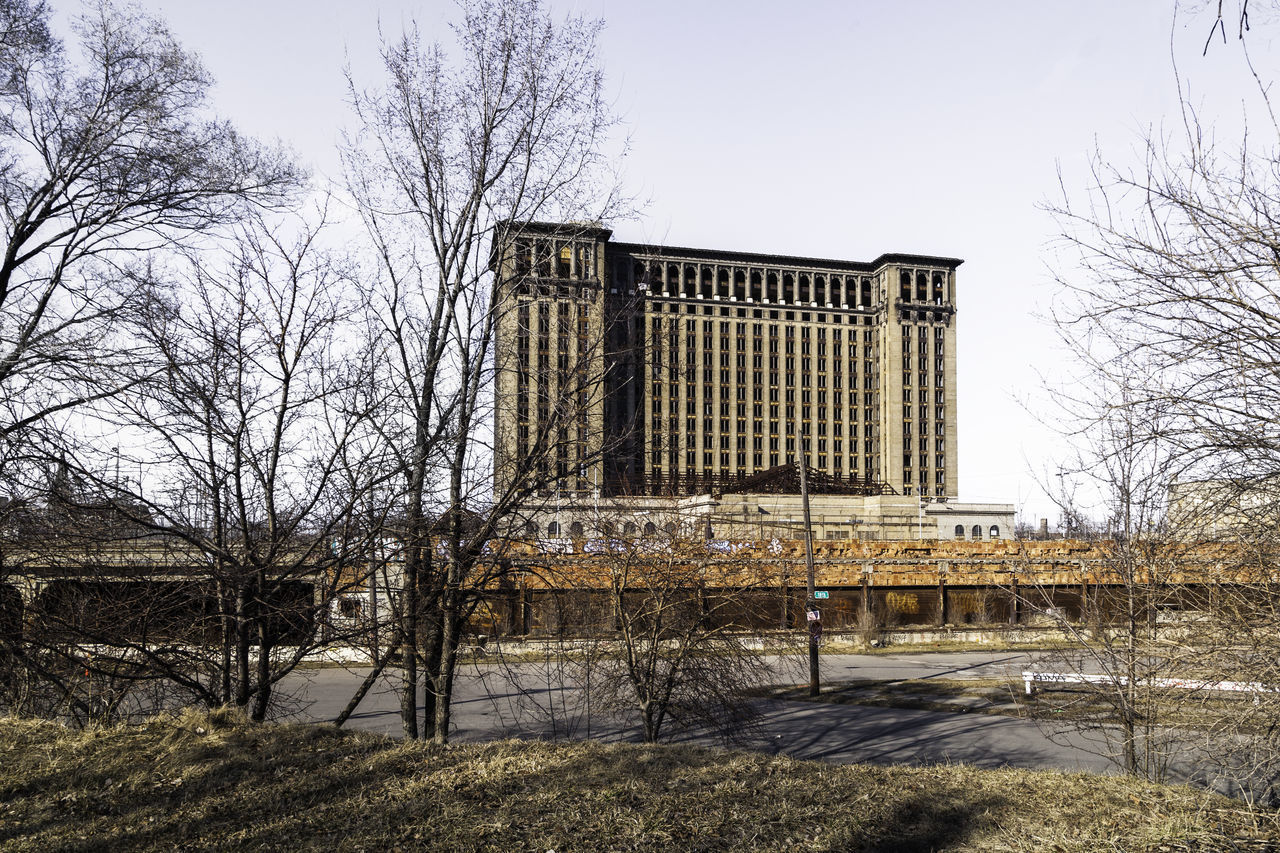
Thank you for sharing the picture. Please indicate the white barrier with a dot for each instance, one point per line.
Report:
(1030, 678)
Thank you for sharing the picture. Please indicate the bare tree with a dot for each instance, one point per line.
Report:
(661, 630)
(102, 158)
(1171, 304)
(1123, 654)
(252, 417)
(683, 613)
(262, 411)
(24, 37)
(449, 158)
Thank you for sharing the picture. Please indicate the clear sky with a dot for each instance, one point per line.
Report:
(829, 129)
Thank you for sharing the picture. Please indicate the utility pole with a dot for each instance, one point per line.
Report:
(813, 616)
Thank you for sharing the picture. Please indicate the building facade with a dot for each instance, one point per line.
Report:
(631, 369)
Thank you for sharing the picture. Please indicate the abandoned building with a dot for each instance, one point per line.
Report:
(660, 387)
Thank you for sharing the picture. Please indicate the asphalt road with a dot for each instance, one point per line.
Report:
(529, 701)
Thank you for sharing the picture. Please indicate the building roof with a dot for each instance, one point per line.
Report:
(757, 259)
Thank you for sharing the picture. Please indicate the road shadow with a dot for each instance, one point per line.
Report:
(866, 813)
(923, 823)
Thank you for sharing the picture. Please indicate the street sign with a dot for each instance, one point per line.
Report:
(821, 593)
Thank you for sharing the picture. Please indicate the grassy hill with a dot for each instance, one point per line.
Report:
(212, 782)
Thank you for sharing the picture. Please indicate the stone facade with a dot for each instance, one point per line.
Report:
(626, 369)
(754, 517)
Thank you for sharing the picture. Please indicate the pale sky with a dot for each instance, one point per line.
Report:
(826, 129)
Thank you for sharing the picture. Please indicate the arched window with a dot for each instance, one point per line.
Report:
(607, 529)
(995, 531)
(575, 529)
(977, 531)
(650, 528)
(959, 531)
(629, 529)
(553, 529)
(669, 528)
(530, 529)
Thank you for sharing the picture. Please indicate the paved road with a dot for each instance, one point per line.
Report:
(492, 702)
(894, 667)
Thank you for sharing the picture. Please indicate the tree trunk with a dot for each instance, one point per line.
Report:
(242, 647)
(409, 648)
(431, 646)
(226, 627)
(1130, 745)
(652, 723)
(450, 634)
(1129, 715)
(379, 665)
(262, 698)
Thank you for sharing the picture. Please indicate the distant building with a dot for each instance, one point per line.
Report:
(1231, 508)
(630, 371)
(757, 516)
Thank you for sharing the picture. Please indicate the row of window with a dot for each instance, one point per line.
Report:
(757, 460)
(694, 281)
(656, 306)
(728, 395)
(630, 528)
(976, 533)
(757, 442)
(554, 259)
(808, 331)
(675, 371)
(929, 287)
(939, 477)
(709, 422)
(607, 529)
(756, 386)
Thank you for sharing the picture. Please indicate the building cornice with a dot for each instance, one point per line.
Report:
(766, 260)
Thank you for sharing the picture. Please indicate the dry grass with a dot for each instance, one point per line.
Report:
(211, 782)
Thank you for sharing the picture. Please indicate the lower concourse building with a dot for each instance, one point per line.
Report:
(629, 372)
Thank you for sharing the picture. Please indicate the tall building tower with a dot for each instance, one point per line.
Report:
(549, 362)
(683, 370)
